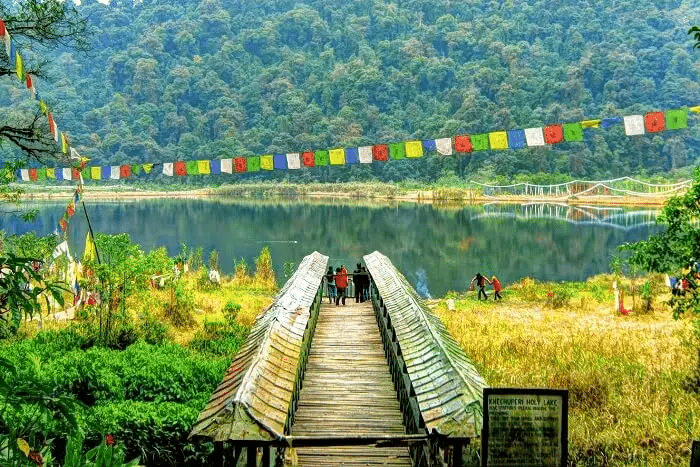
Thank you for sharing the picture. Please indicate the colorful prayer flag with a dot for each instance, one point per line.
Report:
(444, 146)
(480, 142)
(41, 173)
(106, 172)
(609, 122)
(215, 167)
(60, 173)
(351, 155)
(204, 167)
(634, 125)
(695, 109)
(191, 167)
(308, 159)
(337, 156)
(64, 143)
(19, 66)
(240, 164)
(414, 149)
(125, 171)
(32, 174)
(267, 162)
(573, 132)
(516, 139)
(75, 174)
(429, 145)
(168, 169)
(463, 144)
(227, 165)
(591, 123)
(147, 168)
(365, 154)
(677, 119)
(293, 161)
(654, 121)
(114, 172)
(24, 173)
(321, 158)
(380, 152)
(397, 151)
(136, 169)
(2, 28)
(534, 136)
(553, 134)
(50, 173)
(254, 164)
(67, 173)
(498, 140)
(180, 168)
(280, 161)
(95, 172)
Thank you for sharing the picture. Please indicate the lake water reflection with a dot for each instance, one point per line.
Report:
(438, 249)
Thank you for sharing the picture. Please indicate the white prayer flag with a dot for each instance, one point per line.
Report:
(444, 146)
(634, 125)
(168, 169)
(534, 136)
(293, 161)
(364, 153)
(114, 172)
(227, 166)
(25, 174)
(8, 43)
(67, 174)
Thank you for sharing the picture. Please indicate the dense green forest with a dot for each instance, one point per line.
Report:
(205, 79)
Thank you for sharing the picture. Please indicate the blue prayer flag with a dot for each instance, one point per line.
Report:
(59, 173)
(429, 145)
(280, 161)
(516, 139)
(609, 122)
(351, 156)
(216, 166)
(106, 172)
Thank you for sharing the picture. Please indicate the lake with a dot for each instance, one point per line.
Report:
(437, 248)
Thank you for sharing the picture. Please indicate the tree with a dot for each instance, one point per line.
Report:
(47, 24)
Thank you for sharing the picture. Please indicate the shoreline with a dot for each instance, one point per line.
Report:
(367, 192)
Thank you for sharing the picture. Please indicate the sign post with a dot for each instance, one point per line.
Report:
(525, 427)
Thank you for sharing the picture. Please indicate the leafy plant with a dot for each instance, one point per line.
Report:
(180, 307)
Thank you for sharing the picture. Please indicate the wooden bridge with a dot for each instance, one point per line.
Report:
(374, 383)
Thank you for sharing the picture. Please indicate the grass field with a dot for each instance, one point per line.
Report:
(625, 374)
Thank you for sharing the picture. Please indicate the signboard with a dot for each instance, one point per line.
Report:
(525, 427)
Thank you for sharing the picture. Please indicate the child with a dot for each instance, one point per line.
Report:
(496, 284)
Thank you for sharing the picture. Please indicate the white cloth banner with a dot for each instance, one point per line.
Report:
(444, 146)
(168, 169)
(534, 136)
(114, 172)
(226, 166)
(25, 174)
(8, 45)
(364, 153)
(67, 174)
(293, 161)
(634, 125)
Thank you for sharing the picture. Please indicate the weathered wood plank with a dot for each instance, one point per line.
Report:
(348, 391)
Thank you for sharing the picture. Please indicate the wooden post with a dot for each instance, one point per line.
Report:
(266, 456)
(695, 454)
(456, 454)
(252, 455)
(219, 453)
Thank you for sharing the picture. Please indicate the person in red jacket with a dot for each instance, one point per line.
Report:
(341, 284)
(496, 284)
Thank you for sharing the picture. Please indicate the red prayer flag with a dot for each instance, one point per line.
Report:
(70, 210)
(463, 143)
(380, 152)
(29, 81)
(240, 164)
(75, 174)
(32, 174)
(2, 28)
(63, 224)
(51, 124)
(655, 121)
(553, 134)
(125, 171)
(309, 159)
(180, 168)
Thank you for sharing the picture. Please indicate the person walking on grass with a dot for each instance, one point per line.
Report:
(481, 283)
(496, 284)
(341, 283)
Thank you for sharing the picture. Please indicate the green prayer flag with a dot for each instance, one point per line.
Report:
(573, 132)
(480, 142)
(254, 164)
(41, 174)
(321, 158)
(677, 119)
(191, 167)
(397, 151)
(136, 169)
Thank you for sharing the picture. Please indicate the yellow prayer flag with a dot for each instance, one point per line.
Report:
(42, 106)
(147, 168)
(19, 66)
(90, 253)
(695, 109)
(204, 167)
(337, 156)
(590, 123)
(50, 173)
(95, 172)
(498, 140)
(414, 149)
(64, 143)
(267, 162)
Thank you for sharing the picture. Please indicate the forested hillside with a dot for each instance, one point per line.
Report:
(204, 79)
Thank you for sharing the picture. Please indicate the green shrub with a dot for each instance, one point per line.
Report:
(219, 338)
(180, 307)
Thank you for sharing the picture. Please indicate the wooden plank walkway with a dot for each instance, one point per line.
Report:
(347, 390)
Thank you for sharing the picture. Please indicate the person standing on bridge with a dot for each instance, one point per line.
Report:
(330, 284)
(341, 283)
(481, 283)
(359, 277)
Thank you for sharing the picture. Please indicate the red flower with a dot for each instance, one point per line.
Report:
(91, 300)
(36, 457)
(550, 294)
(110, 440)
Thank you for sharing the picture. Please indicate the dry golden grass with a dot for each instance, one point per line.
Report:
(625, 374)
